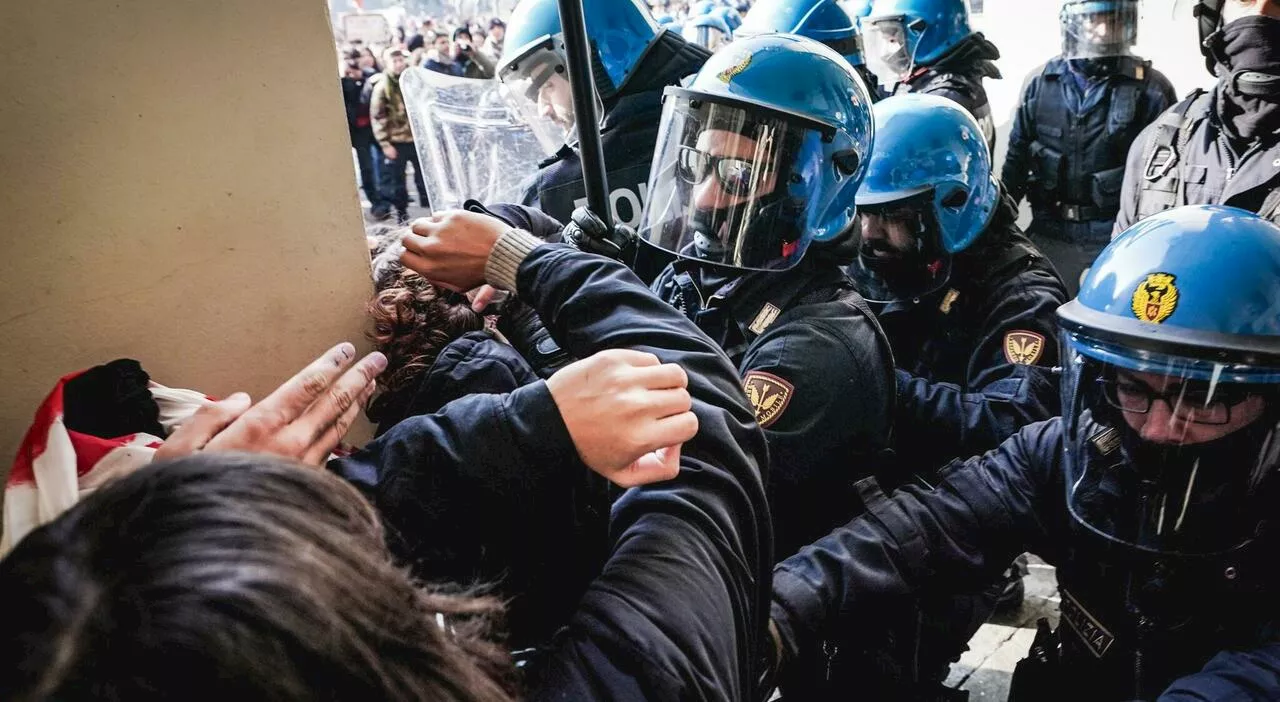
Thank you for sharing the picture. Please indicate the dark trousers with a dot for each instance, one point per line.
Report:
(369, 157)
(394, 189)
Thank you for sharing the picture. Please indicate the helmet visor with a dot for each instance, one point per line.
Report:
(887, 49)
(729, 185)
(1167, 454)
(900, 255)
(538, 82)
(1099, 29)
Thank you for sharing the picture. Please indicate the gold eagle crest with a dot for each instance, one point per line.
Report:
(1023, 348)
(1155, 298)
(769, 396)
(727, 74)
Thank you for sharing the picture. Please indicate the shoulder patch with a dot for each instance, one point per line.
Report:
(769, 396)
(766, 317)
(1023, 348)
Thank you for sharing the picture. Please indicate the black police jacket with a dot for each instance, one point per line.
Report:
(818, 370)
(1187, 158)
(1213, 638)
(678, 613)
(974, 357)
(1067, 146)
(816, 366)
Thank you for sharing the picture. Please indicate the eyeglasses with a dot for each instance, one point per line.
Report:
(736, 175)
(1189, 403)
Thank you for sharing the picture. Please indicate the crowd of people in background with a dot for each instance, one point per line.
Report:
(377, 118)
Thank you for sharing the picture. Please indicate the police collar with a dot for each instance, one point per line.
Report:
(760, 297)
(1121, 66)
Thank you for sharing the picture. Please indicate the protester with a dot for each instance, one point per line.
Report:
(395, 138)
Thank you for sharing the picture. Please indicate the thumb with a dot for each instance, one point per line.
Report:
(654, 467)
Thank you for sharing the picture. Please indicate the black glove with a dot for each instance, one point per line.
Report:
(587, 232)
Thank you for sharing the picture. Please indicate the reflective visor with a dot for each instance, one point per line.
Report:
(539, 84)
(1099, 29)
(1162, 458)
(730, 186)
(887, 49)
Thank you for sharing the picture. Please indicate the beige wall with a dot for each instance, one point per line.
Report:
(177, 188)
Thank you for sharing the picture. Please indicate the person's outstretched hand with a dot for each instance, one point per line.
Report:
(451, 249)
(303, 419)
(627, 414)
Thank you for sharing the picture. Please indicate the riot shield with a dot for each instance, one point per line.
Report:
(472, 139)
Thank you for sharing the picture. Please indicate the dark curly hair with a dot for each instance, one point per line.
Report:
(412, 323)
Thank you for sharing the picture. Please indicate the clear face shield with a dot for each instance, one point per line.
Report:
(729, 186)
(1165, 454)
(1099, 29)
(888, 50)
(900, 254)
(539, 84)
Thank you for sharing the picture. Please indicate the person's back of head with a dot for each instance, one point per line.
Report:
(225, 576)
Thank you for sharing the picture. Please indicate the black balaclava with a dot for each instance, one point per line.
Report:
(1247, 53)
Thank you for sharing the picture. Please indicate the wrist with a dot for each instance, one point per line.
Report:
(506, 256)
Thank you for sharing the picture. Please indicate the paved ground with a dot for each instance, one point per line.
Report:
(998, 646)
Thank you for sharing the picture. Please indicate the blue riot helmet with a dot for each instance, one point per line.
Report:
(534, 67)
(902, 35)
(928, 194)
(708, 31)
(1098, 28)
(1171, 384)
(820, 20)
(663, 19)
(759, 158)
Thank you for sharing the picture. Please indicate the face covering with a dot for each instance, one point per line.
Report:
(1247, 53)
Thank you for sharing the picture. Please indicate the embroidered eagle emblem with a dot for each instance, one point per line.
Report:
(769, 396)
(1023, 348)
(727, 74)
(1155, 298)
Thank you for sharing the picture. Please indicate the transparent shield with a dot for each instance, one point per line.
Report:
(888, 50)
(1165, 454)
(900, 254)
(730, 187)
(472, 139)
(1099, 30)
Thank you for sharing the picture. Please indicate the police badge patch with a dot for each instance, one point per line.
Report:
(727, 74)
(769, 396)
(1156, 298)
(1023, 348)
(1096, 637)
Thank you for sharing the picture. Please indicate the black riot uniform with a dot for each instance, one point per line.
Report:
(1166, 566)
(627, 134)
(974, 357)
(809, 348)
(958, 76)
(1220, 146)
(1066, 151)
(989, 509)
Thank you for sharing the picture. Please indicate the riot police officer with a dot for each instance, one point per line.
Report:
(1166, 456)
(633, 59)
(967, 303)
(1080, 112)
(928, 46)
(821, 20)
(753, 191)
(966, 300)
(709, 30)
(1218, 146)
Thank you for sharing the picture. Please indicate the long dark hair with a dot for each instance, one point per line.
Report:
(238, 577)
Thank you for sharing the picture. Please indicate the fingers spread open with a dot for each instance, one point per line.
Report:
(327, 441)
(347, 392)
(290, 400)
(203, 426)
